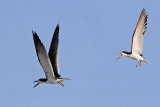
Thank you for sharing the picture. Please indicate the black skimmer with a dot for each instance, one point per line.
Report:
(137, 40)
(49, 62)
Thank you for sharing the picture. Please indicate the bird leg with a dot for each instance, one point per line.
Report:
(61, 84)
(139, 63)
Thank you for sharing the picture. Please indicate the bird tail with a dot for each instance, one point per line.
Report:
(146, 61)
(67, 78)
(62, 79)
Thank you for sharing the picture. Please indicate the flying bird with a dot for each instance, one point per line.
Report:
(49, 62)
(137, 40)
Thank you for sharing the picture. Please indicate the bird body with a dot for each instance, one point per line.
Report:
(52, 81)
(137, 40)
(135, 56)
(49, 62)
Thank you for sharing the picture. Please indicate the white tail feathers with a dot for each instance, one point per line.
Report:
(146, 61)
(67, 78)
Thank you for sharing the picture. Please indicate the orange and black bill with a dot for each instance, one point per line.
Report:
(120, 55)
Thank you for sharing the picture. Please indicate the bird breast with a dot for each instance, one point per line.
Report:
(51, 81)
(136, 57)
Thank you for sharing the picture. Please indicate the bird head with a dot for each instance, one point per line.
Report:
(38, 82)
(41, 80)
(121, 54)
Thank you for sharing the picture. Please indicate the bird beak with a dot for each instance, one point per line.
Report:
(36, 85)
(35, 81)
(120, 56)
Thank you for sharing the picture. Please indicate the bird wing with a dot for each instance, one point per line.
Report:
(43, 57)
(137, 39)
(53, 51)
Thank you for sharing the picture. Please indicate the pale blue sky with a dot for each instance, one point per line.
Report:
(91, 32)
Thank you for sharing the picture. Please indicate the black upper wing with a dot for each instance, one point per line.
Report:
(43, 57)
(53, 51)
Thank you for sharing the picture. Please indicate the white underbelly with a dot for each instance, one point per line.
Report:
(136, 57)
(51, 81)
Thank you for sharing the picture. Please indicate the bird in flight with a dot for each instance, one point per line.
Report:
(49, 62)
(137, 40)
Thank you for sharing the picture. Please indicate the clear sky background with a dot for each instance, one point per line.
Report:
(91, 33)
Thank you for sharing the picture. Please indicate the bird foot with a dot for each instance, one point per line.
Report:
(139, 63)
(61, 84)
